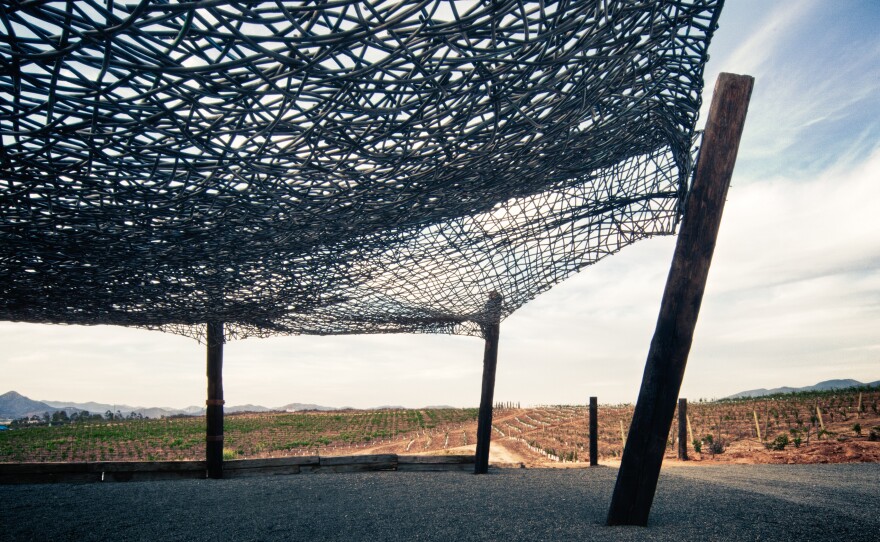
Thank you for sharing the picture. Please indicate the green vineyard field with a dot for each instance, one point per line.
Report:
(832, 426)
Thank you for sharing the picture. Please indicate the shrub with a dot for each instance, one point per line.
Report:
(795, 437)
(698, 446)
(779, 443)
(714, 446)
(857, 429)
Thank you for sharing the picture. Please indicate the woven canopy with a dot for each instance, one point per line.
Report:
(333, 167)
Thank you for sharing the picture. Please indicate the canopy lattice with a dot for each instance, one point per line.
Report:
(333, 167)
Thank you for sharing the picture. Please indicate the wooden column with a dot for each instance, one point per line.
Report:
(214, 409)
(490, 360)
(667, 357)
(594, 431)
(682, 429)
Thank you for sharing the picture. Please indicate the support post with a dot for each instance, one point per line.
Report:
(682, 429)
(594, 432)
(214, 404)
(667, 356)
(490, 360)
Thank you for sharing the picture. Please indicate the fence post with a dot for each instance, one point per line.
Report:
(214, 404)
(667, 356)
(682, 429)
(757, 426)
(594, 432)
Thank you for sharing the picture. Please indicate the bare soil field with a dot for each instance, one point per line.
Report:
(812, 429)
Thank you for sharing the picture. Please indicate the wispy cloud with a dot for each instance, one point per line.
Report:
(817, 88)
(755, 53)
(787, 229)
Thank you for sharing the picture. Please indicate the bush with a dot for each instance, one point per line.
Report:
(796, 438)
(714, 446)
(779, 443)
(857, 429)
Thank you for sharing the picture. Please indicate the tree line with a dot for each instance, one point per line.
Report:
(60, 417)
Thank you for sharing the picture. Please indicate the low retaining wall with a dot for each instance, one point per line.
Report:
(124, 471)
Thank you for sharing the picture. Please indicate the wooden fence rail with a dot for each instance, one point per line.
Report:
(124, 471)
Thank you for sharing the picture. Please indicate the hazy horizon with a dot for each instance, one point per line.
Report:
(410, 407)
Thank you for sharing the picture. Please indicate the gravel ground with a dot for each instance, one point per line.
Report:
(747, 502)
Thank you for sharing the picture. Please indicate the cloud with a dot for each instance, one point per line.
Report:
(755, 53)
(793, 297)
(817, 82)
(787, 229)
(794, 291)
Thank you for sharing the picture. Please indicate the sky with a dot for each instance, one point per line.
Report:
(793, 295)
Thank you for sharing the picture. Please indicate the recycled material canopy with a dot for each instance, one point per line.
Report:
(333, 167)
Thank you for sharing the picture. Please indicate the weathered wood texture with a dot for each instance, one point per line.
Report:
(356, 463)
(594, 431)
(123, 471)
(682, 429)
(435, 462)
(243, 468)
(667, 357)
(214, 404)
(484, 420)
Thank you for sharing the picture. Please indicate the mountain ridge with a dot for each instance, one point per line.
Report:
(825, 385)
(14, 405)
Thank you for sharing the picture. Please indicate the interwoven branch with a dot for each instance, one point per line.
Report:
(333, 167)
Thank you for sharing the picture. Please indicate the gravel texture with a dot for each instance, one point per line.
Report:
(747, 502)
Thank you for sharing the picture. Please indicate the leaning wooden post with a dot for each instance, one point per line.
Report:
(214, 410)
(594, 432)
(682, 429)
(490, 360)
(667, 357)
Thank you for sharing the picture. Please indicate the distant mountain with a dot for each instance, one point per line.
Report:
(15, 405)
(94, 408)
(125, 410)
(294, 407)
(247, 408)
(821, 386)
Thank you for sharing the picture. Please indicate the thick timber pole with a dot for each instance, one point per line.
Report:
(594, 431)
(490, 360)
(667, 356)
(214, 410)
(682, 429)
